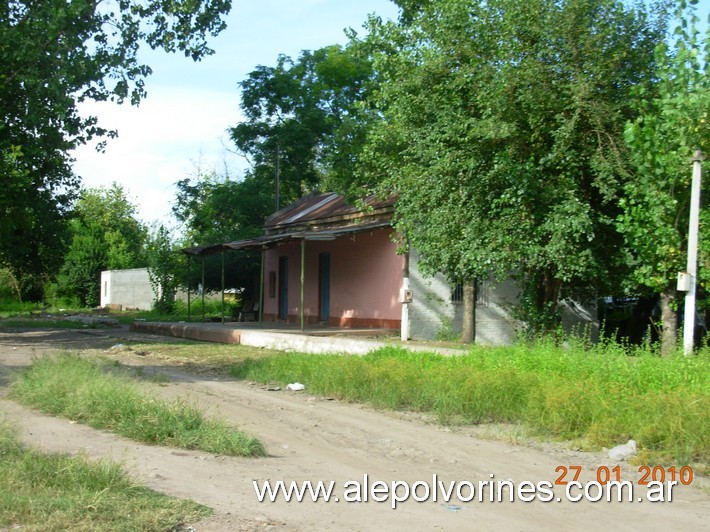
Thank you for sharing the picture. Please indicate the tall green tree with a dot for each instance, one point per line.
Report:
(410, 8)
(55, 54)
(303, 118)
(503, 137)
(673, 121)
(33, 227)
(166, 267)
(105, 235)
(214, 209)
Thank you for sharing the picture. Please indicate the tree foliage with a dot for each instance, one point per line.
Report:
(105, 235)
(409, 9)
(32, 220)
(166, 267)
(214, 210)
(55, 54)
(673, 121)
(303, 115)
(503, 136)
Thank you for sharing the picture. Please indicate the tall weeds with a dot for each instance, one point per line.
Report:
(57, 492)
(601, 396)
(82, 390)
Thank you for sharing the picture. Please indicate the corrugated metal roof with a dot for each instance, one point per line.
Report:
(330, 234)
(203, 250)
(319, 207)
(310, 209)
(314, 217)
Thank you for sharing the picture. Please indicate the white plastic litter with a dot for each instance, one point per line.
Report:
(296, 386)
(622, 452)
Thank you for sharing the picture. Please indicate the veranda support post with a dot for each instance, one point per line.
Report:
(261, 286)
(222, 287)
(202, 289)
(187, 284)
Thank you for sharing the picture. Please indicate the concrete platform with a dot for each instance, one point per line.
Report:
(320, 340)
(204, 332)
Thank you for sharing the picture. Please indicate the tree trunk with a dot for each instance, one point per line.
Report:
(669, 330)
(468, 333)
(547, 295)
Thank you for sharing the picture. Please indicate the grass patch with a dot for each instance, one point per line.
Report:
(212, 311)
(10, 308)
(192, 351)
(85, 391)
(57, 492)
(601, 396)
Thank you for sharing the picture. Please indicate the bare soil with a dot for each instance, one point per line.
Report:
(313, 438)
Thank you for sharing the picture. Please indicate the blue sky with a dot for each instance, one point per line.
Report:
(181, 126)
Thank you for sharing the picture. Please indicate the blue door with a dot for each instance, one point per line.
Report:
(324, 292)
(283, 288)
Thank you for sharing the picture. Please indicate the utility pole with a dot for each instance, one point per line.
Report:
(692, 266)
(404, 299)
(277, 177)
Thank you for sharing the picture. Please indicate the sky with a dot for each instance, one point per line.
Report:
(181, 127)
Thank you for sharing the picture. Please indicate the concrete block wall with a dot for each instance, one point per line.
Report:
(433, 311)
(494, 323)
(127, 289)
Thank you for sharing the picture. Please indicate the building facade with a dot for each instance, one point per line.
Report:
(325, 262)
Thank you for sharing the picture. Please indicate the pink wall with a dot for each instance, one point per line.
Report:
(365, 278)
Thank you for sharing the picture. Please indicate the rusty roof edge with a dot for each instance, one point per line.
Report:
(203, 250)
(322, 203)
(300, 201)
(269, 240)
(334, 205)
(356, 217)
(362, 220)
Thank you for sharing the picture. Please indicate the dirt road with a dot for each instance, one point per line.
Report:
(314, 439)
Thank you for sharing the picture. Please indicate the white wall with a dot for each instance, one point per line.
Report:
(128, 288)
(432, 310)
(494, 324)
